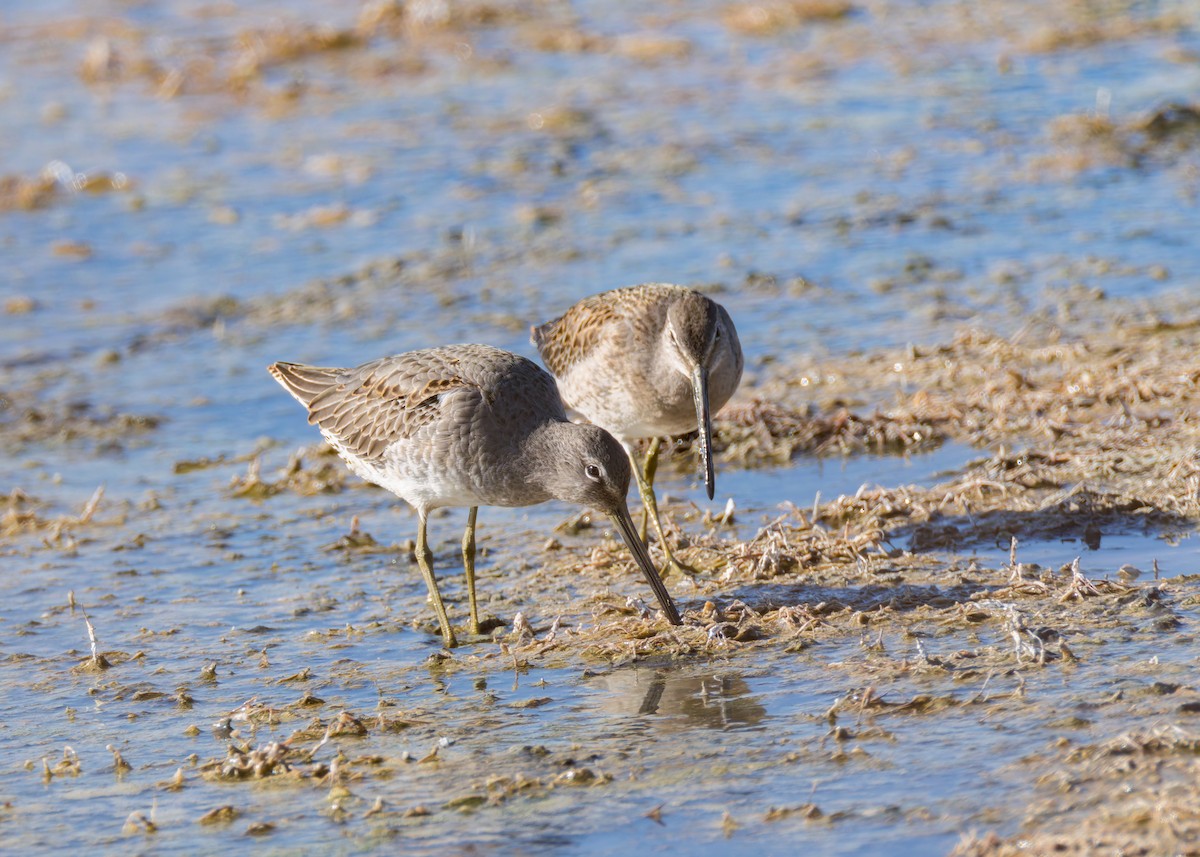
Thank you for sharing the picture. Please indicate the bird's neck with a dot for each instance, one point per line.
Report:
(668, 372)
(539, 456)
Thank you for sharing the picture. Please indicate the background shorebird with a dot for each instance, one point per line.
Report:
(467, 425)
(646, 361)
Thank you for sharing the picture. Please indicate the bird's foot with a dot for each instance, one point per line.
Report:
(471, 639)
(673, 563)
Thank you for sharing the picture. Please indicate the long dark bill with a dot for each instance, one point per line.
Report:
(624, 523)
(704, 421)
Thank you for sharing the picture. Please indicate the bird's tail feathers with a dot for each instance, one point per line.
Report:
(305, 383)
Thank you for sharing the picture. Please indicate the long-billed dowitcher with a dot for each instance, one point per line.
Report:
(467, 425)
(646, 361)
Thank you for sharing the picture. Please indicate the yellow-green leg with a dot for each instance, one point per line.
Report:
(645, 482)
(468, 550)
(425, 561)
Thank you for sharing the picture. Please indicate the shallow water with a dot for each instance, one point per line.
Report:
(809, 480)
(700, 742)
(836, 199)
(1175, 555)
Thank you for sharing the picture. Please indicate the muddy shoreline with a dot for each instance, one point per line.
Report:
(1080, 437)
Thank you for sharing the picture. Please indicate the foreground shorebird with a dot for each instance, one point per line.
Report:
(646, 361)
(467, 425)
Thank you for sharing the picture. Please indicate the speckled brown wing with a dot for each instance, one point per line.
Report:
(573, 336)
(370, 407)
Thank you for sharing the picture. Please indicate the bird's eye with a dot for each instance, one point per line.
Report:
(592, 471)
(717, 335)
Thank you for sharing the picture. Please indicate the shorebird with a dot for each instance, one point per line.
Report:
(647, 361)
(467, 425)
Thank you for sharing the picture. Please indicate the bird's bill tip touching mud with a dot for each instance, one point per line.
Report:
(704, 422)
(624, 524)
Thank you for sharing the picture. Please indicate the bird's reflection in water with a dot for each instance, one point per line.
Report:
(681, 701)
